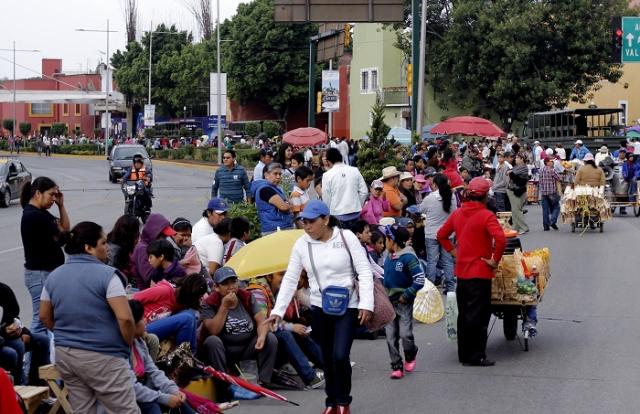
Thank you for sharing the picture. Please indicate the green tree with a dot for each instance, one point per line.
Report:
(267, 59)
(271, 128)
(252, 128)
(8, 125)
(379, 130)
(185, 132)
(25, 128)
(150, 133)
(58, 129)
(514, 57)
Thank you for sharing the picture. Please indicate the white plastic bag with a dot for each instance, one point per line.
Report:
(428, 306)
(452, 316)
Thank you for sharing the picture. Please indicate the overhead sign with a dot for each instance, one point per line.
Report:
(212, 121)
(630, 39)
(330, 91)
(149, 115)
(346, 11)
(213, 94)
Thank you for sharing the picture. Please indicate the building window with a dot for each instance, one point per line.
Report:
(41, 109)
(369, 80)
(77, 109)
(78, 128)
(65, 109)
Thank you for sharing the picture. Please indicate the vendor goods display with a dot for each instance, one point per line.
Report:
(521, 277)
(532, 192)
(585, 203)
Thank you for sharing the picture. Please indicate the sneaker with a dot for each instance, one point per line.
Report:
(317, 382)
(521, 232)
(397, 374)
(555, 227)
(410, 366)
(289, 369)
(533, 331)
(485, 362)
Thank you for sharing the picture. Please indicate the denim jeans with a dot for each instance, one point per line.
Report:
(550, 210)
(155, 408)
(633, 189)
(289, 342)
(34, 280)
(38, 352)
(11, 357)
(181, 324)
(401, 328)
(438, 257)
(334, 334)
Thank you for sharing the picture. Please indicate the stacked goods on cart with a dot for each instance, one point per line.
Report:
(584, 201)
(521, 277)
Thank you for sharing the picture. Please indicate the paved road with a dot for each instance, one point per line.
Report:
(583, 361)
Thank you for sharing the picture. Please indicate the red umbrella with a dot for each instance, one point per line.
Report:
(468, 125)
(304, 137)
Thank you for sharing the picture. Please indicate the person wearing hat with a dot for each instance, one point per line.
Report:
(480, 243)
(330, 256)
(233, 328)
(407, 189)
(137, 172)
(391, 179)
(602, 154)
(214, 213)
(590, 173)
(156, 227)
(579, 151)
(376, 205)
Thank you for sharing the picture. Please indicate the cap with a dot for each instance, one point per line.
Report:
(548, 151)
(313, 210)
(430, 172)
(413, 209)
(536, 142)
(405, 222)
(406, 176)
(479, 186)
(588, 157)
(377, 184)
(420, 179)
(224, 273)
(218, 205)
(579, 142)
(169, 231)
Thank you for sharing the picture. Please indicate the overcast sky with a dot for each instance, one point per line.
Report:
(49, 26)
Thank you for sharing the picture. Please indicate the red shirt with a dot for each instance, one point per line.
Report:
(455, 180)
(158, 300)
(476, 230)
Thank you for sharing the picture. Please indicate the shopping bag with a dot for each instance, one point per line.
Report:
(452, 317)
(428, 306)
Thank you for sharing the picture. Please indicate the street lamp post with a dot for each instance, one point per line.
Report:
(14, 50)
(219, 97)
(106, 97)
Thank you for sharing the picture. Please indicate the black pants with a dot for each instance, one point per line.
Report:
(474, 312)
(334, 334)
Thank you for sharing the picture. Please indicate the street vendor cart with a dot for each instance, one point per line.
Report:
(585, 206)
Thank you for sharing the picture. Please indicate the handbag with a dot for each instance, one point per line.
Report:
(335, 299)
(383, 311)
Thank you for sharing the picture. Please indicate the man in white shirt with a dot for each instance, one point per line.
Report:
(211, 217)
(343, 147)
(343, 189)
(211, 247)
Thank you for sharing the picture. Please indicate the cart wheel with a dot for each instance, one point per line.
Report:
(601, 225)
(573, 227)
(510, 325)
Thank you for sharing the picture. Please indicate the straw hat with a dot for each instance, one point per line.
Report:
(406, 176)
(389, 172)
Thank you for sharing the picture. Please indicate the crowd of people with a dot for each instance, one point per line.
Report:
(169, 280)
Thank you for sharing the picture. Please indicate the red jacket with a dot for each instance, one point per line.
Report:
(476, 229)
(455, 180)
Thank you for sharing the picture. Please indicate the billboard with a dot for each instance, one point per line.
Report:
(149, 115)
(346, 11)
(330, 91)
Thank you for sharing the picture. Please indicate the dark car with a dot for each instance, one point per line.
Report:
(13, 175)
(121, 158)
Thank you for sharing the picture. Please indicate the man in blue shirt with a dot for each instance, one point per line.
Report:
(579, 151)
(230, 181)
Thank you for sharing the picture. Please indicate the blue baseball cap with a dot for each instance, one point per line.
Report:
(223, 274)
(218, 205)
(405, 222)
(313, 210)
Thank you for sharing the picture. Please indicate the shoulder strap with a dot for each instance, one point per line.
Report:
(313, 266)
(353, 268)
(227, 256)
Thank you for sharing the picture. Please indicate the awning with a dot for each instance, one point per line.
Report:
(88, 97)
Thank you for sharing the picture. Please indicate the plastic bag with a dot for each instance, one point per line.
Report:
(428, 306)
(452, 316)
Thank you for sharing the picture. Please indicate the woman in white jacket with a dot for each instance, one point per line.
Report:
(326, 252)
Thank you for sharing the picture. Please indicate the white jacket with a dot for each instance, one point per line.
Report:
(334, 267)
(344, 189)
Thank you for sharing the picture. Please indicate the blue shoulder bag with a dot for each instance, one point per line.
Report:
(335, 299)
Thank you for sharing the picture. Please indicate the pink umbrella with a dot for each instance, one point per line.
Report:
(305, 137)
(468, 125)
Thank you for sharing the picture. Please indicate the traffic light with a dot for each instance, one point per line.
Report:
(617, 37)
(319, 102)
(409, 79)
(347, 35)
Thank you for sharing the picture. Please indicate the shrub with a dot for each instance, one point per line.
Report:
(8, 124)
(185, 132)
(248, 158)
(252, 129)
(271, 128)
(25, 128)
(149, 133)
(199, 132)
(249, 211)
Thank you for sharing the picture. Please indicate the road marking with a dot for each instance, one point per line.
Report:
(11, 250)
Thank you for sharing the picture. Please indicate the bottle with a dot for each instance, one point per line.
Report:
(451, 315)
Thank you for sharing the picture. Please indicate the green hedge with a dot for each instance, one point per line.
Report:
(248, 158)
(77, 149)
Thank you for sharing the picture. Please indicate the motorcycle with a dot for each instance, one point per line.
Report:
(137, 202)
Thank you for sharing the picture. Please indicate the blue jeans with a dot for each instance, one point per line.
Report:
(155, 408)
(550, 207)
(334, 334)
(289, 342)
(34, 280)
(633, 189)
(181, 324)
(11, 357)
(438, 257)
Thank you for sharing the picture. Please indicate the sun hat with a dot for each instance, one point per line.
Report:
(384, 221)
(588, 157)
(313, 210)
(405, 176)
(377, 184)
(389, 172)
(420, 179)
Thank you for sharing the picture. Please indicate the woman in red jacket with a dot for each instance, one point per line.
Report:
(479, 248)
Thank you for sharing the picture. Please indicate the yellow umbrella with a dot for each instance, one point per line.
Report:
(265, 255)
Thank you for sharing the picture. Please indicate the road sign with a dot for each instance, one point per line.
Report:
(345, 11)
(631, 40)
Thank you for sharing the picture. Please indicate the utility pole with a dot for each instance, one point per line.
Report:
(423, 52)
(415, 59)
(150, 48)
(219, 97)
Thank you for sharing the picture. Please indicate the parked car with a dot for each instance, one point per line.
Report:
(121, 158)
(13, 175)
